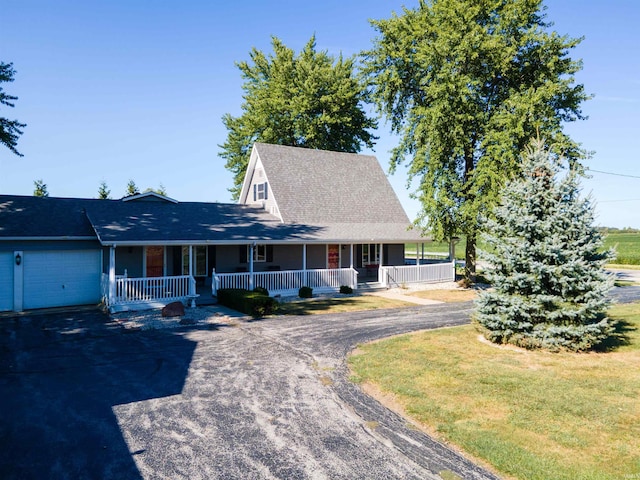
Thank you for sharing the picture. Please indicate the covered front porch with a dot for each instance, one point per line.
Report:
(141, 277)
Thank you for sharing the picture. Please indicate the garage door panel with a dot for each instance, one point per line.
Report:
(6, 281)
(61, 278)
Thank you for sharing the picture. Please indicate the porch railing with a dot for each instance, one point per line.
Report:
(150, 291)
(287, 281)
(431, 273)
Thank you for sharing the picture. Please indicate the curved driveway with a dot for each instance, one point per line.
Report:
(255, 400)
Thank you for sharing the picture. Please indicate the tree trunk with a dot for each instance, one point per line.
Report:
(470, 258)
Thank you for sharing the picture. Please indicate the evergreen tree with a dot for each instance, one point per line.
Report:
(547, 263)
(10, 130)
(40, 189)
(465, 85)
(103, 191)
(310, 100)
(132, 189)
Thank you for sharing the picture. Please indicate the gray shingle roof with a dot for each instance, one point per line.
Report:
(325, 188)
(37, 217)
(322, 196)
(114, 221)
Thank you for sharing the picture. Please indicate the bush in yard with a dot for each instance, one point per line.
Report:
(546, 263)
(346, 289)
(253, 303)
(305, 292)
(261, 290)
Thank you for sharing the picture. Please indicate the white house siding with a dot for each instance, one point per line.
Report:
(259, 176)
(56, 278)
(6, 281)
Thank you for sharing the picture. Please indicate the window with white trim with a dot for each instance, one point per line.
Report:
(260, 191)
(199, 260)
(370, 254)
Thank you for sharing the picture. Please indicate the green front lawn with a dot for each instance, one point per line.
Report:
(531, 415)
(340, 305)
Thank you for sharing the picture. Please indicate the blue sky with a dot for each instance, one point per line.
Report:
(120, 90)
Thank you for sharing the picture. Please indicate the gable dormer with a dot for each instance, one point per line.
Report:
(148, 197)
(256, 189)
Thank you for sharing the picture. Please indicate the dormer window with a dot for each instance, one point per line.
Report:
(260, 191)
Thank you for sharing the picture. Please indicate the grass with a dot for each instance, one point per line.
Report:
(340, 305)
(531, 415)
(447, 296)
(627, 245)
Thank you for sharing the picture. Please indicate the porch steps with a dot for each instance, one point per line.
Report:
(370, 287)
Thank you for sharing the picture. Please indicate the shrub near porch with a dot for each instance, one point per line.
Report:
(532, 415)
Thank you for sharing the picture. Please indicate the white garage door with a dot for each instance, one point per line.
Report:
(6, 281)
(61, 278)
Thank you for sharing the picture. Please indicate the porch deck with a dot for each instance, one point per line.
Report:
(124, 293)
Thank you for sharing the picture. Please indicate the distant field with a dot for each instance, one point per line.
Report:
(627, 245)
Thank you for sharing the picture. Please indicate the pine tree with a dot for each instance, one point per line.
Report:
(40, 189)
(132, 189)
(547, 263)
(10, 130)
(103, 191)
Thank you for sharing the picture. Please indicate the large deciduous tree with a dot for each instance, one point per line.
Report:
(547, 263)
(466, 84)
(10, 130)
(310, 100)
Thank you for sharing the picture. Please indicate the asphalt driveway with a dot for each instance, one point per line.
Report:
(258, 400)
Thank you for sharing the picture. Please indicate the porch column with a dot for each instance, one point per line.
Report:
(251, 248)
(354, 282)
(418, 254)
(380, 263)
(112, 275)
(304, 264)
(192, 280)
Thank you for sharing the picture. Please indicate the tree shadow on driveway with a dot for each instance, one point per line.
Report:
(60, 376)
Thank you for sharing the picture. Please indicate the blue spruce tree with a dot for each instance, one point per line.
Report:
(547, 263)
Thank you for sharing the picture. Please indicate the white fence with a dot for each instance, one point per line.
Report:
(287, 281)
(431, 273)
(151, 291)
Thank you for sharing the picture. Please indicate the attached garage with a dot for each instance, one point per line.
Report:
(6, 281)
(56, 278)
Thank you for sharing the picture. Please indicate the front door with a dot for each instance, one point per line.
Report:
(333, 256)
(155, 261)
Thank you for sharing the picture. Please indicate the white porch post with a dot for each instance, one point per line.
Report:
(418, 254)
(304, 264)
(251, 248)
(112, 274)
(192, 280)
(354, 283)
(381, 280)
(214, 283)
